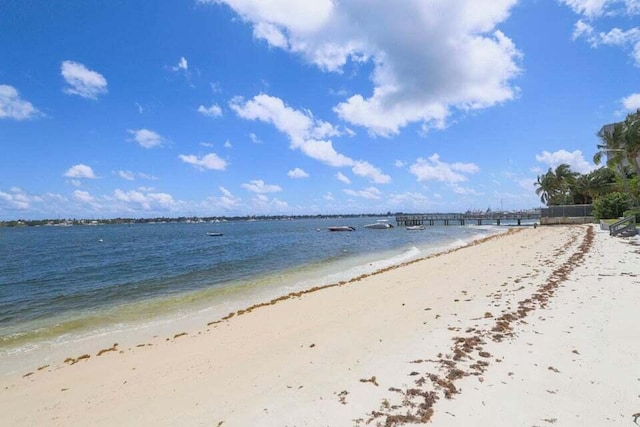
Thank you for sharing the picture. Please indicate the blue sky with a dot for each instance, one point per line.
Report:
(246, 107)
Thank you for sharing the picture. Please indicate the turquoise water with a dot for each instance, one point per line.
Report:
(59, 281)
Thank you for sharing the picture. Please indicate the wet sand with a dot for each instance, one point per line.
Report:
(535, 327)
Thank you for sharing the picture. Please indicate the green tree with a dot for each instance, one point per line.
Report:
(611, 205)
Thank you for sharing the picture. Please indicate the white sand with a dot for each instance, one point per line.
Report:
(312, 360)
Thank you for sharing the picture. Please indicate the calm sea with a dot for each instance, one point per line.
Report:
(64, 284)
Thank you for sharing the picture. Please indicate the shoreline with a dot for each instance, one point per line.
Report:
(205, 307)
(408, 343)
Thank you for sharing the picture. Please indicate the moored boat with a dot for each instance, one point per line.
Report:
(380, 224)
(213, 233)
(415, 227)
(342, 228)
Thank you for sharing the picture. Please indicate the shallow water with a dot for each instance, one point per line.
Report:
(58, 284)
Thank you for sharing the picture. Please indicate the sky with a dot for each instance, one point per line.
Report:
(248, 107)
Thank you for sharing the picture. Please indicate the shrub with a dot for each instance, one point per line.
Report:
(633, 212)
(611, 205)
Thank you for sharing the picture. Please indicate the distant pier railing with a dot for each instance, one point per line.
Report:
(467, 218)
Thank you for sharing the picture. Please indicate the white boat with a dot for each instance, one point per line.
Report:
(342, 228)
(212, 233)
(380, 224)
(415, 227)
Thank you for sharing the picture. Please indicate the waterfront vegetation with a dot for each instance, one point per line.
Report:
(614, 188)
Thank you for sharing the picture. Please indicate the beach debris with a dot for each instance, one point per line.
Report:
(418, 402)
(43, 367)
(635, 417)
(181, 334)
(551, 368)
(312, 345)
(371, 380)
(342, 397)
(28, 374)
(105, 350)
(73, 361)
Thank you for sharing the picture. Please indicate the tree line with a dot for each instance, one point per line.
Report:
(614, 187)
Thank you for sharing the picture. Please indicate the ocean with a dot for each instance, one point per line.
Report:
(63, 286)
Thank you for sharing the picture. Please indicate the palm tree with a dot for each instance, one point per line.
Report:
(612, 147)
(632, 140)
(555, 187)
(546, 186)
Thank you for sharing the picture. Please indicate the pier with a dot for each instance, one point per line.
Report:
(469, 218)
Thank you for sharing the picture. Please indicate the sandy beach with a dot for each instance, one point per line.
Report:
(534, 327)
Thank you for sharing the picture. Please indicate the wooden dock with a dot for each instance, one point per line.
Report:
(474, 218)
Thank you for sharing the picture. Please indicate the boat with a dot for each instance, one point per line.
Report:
(415, 227)
(342, 228)
(380, 224)
(213, 233)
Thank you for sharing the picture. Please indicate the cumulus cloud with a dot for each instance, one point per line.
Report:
(370, 193)
(12, 106)
(147, 138)
(595, 11)
(433, 169)
(258, 186)
(80, 171)
(213, 110)
(297, 173)
(16, 199)
(148, 201)
(82, 81)
(303, 131)
(227, 201)
(631, 102)
(428, 57)
(575, 159)
(342, 178)
(209, 161)
(84, 196)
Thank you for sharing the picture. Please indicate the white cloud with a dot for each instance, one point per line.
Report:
(400, 164)
(303, 129)
(258, 186)
(14, 107)
(80, 171)
(342, 178)
(271, 34)
(464, 191)
(183, 65)
(369, 171)
(574, 159)
(209, 161)
(143, 200)
(370, 193)
(254, 138)
(84, 196)
(328, 197)
(297, 173)
(428, 57)
(594, 10)
(128, 175)
(206, 144)
(147, 138)
(82, 81)
(631, 102)
(227, 144)
(588, 8)
(212, 111)
(433, 169)
(227, 201)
